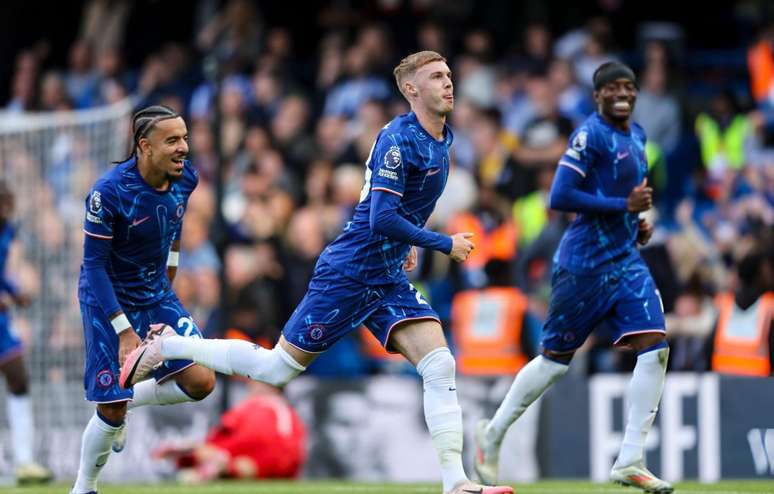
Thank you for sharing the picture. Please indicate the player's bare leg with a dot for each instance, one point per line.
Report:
(423, 344)
(191, 384)
(530, 383)
(643, 396)
(277, 366)
(20, 421)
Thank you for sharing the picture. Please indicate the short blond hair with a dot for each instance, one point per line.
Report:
(409, 66)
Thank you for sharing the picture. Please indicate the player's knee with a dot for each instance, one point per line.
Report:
(437, 365)
(645, 341)
(18, 385)
(276, 366)
(112, 413)
(562, 358)
(201, 387)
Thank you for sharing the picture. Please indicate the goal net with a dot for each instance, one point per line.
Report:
(50, 161)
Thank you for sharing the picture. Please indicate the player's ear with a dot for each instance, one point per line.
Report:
(410, 88)
(144, 145)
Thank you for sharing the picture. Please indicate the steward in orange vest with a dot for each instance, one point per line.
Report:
(744, 335)
(487, 326)
(493, 231)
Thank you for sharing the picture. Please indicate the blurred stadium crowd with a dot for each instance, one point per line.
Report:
(296, 130)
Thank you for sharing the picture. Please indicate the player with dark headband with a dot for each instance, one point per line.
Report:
(611, 72)
(599, 277)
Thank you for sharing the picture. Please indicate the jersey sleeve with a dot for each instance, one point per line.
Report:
(388, 162)
(581, 152)
(101, 209)
(194, 175)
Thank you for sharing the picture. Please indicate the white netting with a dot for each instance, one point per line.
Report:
(50, 161)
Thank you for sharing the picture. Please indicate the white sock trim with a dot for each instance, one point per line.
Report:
(288, 358)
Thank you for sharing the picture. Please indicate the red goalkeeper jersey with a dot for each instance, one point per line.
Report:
(267, 430)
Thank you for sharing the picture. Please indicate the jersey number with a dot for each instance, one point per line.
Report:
(188, 326)
(367, 185)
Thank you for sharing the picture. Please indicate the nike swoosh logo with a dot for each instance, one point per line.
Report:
(474, 491)
(140, 221)
(433, 171)
(134, 369)
(621, 156)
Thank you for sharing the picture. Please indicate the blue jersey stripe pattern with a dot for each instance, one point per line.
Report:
(141, 223)
(406, 161)
(612, 162)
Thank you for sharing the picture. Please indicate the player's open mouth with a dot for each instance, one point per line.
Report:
(449, 97)
(622, 106)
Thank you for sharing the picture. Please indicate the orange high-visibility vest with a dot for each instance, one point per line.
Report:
(761, 66)
(499, 243)
(486, 326)
(742, 336)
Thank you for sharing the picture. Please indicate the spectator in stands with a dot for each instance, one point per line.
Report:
(359, 85)
(657, 110)
(724, 135)
(493, 148)
(691, 323)
(475, 70)
(81, 79)
(544, 138)
(24, 82)
(492, 226)
(233, 35)
(199, 267)
(53, 93)
(572, 100)
(289, 130)
(743, 342)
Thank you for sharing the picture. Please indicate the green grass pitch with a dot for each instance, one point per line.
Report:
(335, 487)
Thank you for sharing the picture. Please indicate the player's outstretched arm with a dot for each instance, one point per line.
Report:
(566, 195)
(385, 220)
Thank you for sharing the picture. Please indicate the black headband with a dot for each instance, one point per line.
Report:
(611, 72)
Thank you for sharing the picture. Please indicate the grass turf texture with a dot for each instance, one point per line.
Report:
(335, 487)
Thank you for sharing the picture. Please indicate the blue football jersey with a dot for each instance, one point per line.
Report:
(6, 237)
(141, 223)
(612, 162)
(406, 161)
